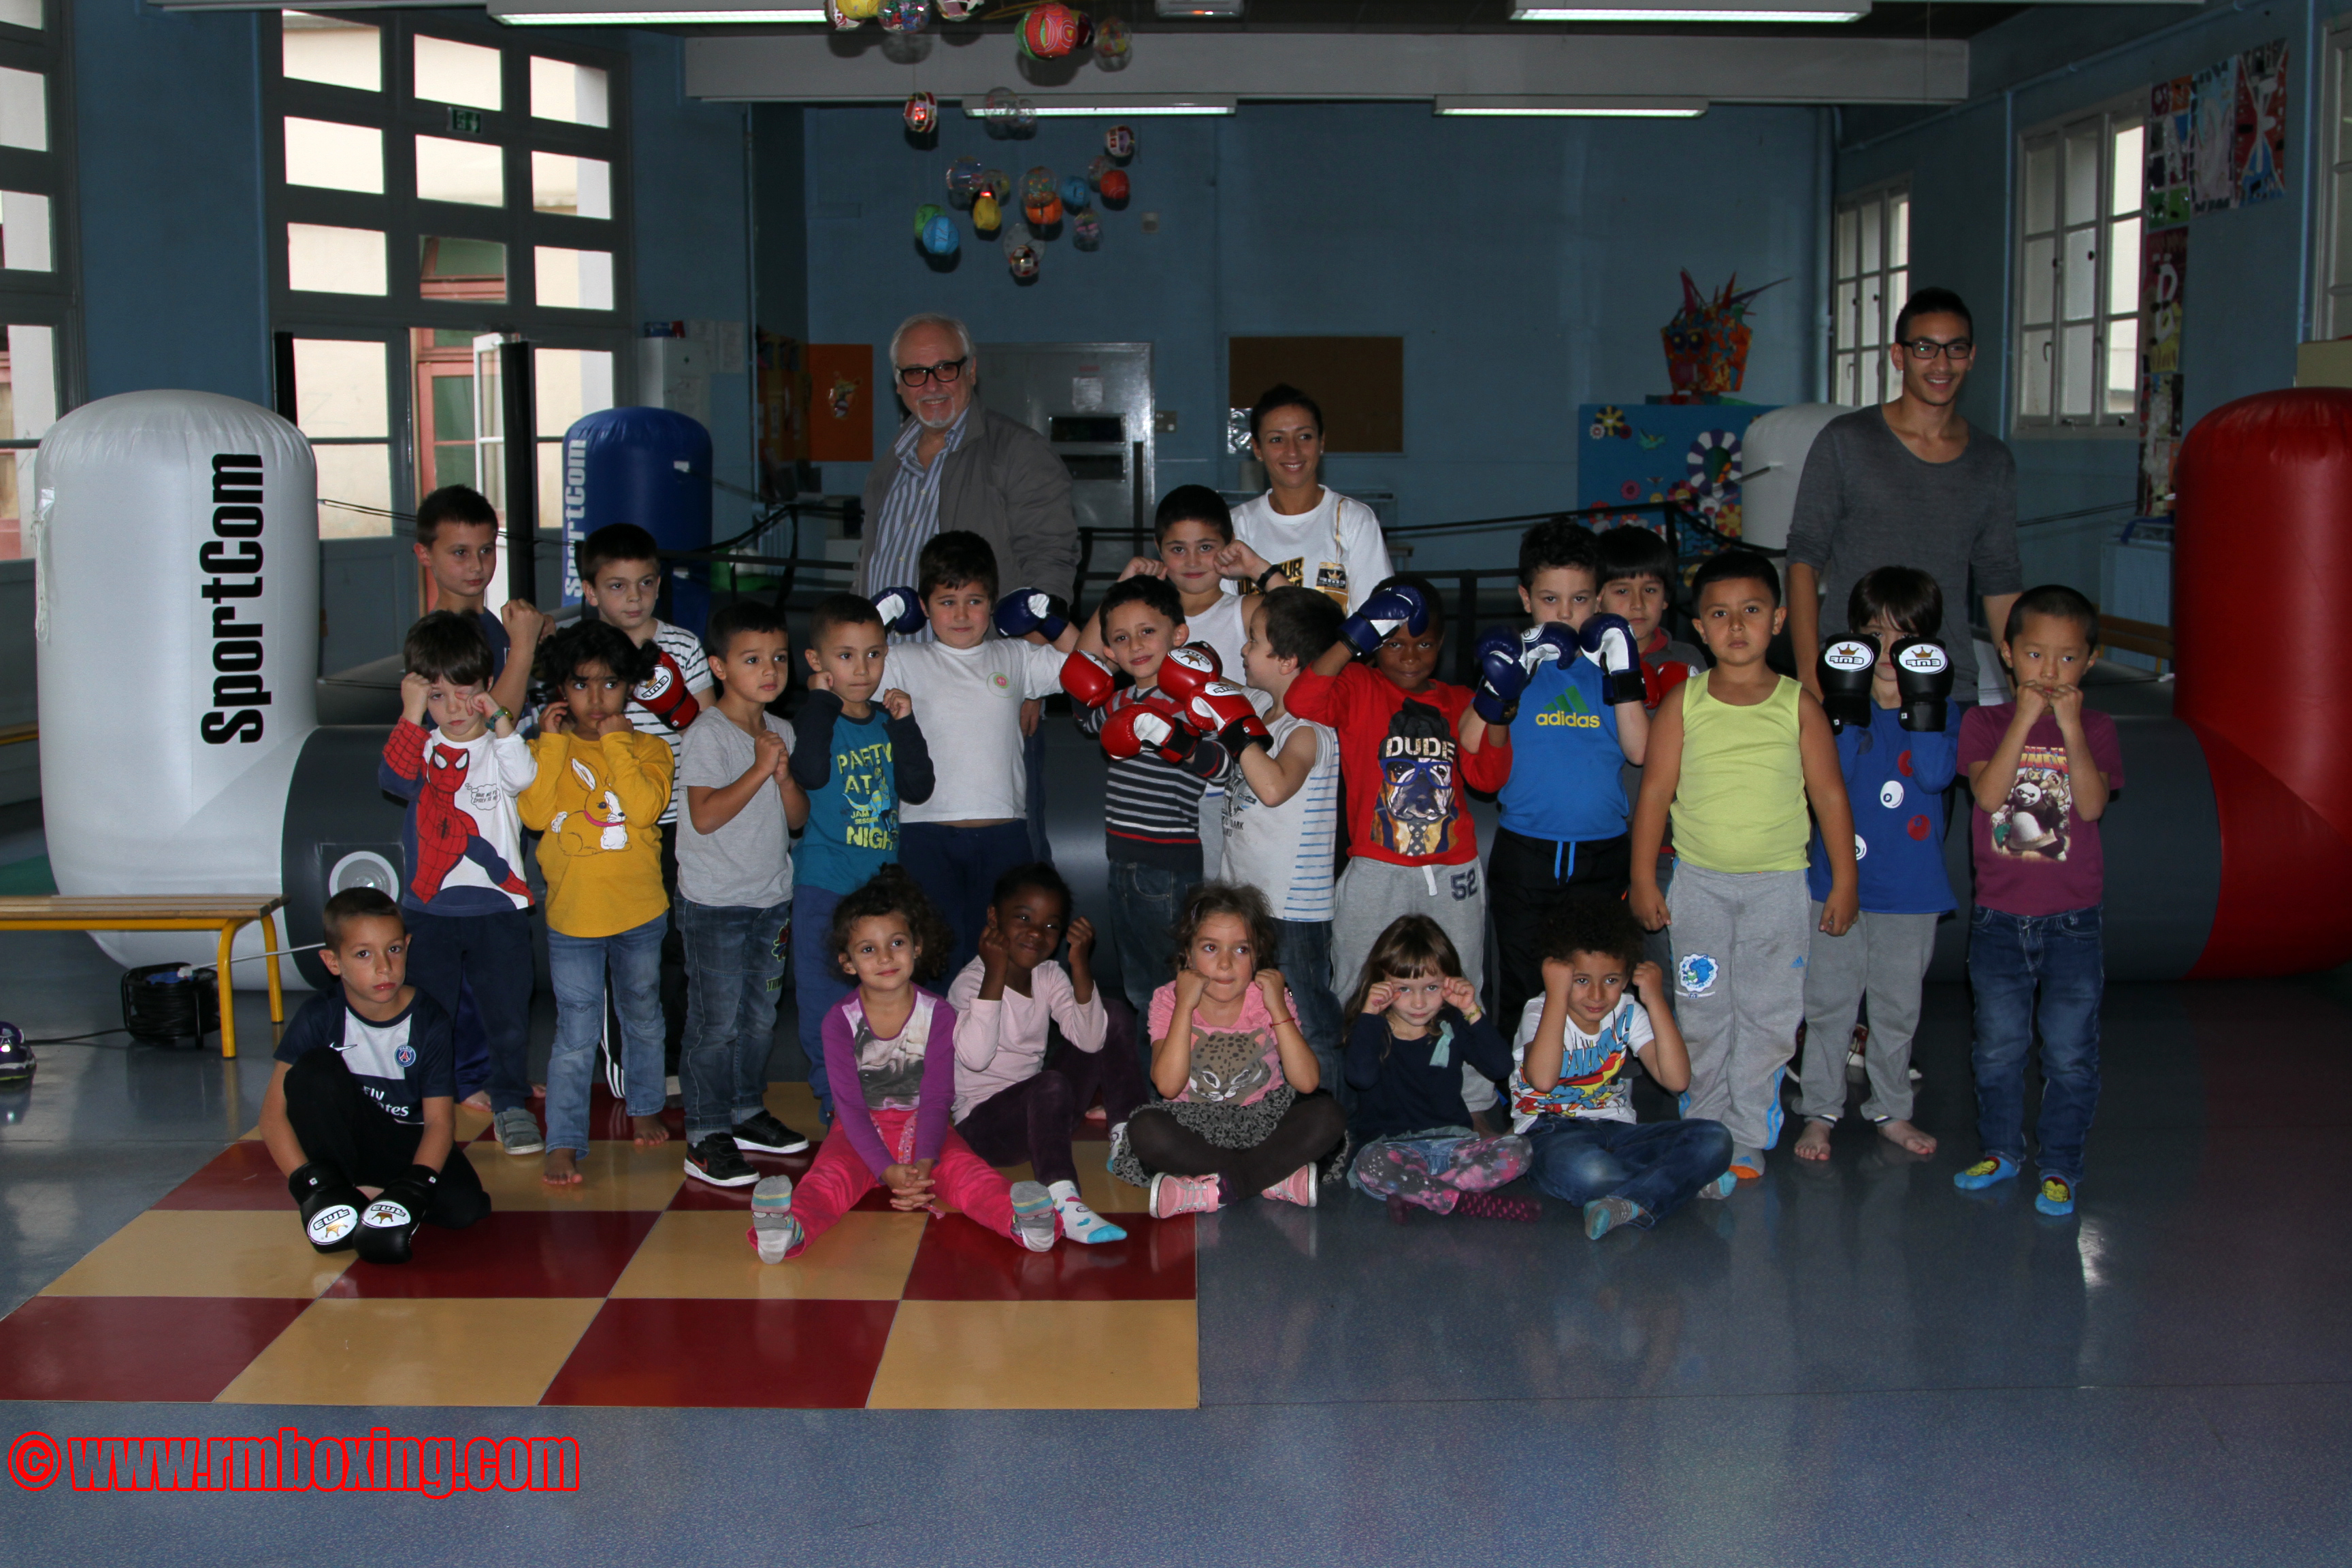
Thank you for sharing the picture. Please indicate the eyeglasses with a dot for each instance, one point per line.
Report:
(947, 370)
(1924, 349)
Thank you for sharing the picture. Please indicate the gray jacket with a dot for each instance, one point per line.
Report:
(1005, 484)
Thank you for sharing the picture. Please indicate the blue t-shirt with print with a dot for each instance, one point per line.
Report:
(1895, 779)
(852, 821)
(1565, 762)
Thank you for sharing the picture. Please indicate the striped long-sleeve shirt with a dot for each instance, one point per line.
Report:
(1151, 809)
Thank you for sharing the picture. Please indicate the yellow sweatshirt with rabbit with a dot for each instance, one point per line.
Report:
(597, 804)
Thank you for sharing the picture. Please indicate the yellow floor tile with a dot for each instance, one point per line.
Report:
(472, 1123)
(205, 1252)
(701, 1252)
(793, 1105)
(476, 1351)
(1040, 1355)
(619, 1176)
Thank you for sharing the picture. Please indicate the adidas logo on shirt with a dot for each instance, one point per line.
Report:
(1567, 709)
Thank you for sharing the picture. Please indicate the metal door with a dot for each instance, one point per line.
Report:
(1094, 402)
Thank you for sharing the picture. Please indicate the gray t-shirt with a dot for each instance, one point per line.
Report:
(1867, 500)
(747, 863)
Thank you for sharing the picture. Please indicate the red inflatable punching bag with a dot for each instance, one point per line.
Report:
(2262, 561)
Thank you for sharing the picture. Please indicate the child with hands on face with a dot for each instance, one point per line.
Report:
(1414, 1022)
(1239, 1113)
(890, 1046)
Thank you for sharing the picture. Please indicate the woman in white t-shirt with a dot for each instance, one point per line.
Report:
(1313, 537)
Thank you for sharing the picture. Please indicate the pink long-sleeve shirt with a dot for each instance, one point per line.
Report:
(1002, 1043)
(914, 1070)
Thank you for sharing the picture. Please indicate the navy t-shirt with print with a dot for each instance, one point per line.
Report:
(400, 1063)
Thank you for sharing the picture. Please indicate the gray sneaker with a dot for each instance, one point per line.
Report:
(518, 1132)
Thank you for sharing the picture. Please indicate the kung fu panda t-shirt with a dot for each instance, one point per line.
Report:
(400, 1063)
(1399, 764)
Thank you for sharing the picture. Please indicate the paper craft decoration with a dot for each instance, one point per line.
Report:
(1006, 113)
(2214, 112)
(2164, 269)
(1097, 168)
(1077, 196)
(1020, 254)
(957, 10)
(964, 180)
(1119, 143)
(923, 216)
(2171, 136)
(985, 213)
(1114, 187)
(922, 113)
(1633, 454)
(2258, 148)
(1052, 30)
(836, 12)
(1085, 231)
(1114, 44)
(1040, 198)
(1707, 342)
(939, 236)
(906, 16)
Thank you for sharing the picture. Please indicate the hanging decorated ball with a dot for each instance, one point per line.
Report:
(1041, 197)
(906, 16)
(1044, 214)
(957, 10)
(997, 184)
(939, 235)
(1097, 169)
(1052, 30)
(1085, 231)
(838, 12)
(985, 214)
(922, 113)
(1119, 143)
(998, 108)
(1024, 116)
(964, 180)
(923, 216)
(1114, 187)
(1114, 44)
(1077, 195)
(1022, 260)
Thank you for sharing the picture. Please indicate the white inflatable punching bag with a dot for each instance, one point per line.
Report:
(1773, 459)
(176, 544)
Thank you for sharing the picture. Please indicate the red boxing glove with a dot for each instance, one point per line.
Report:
(1187, 672)
(1090, 682)
(664, 695)
(1149, 724)
(1225, 711)
(1659, 679)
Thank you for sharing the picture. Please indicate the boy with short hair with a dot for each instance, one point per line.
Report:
(1546, 732)
(360, 1111)
(969, 688)
(1282, 814)
(1736, 755)
(1602, 1009)
(1192, 528)
(857, 752)
(735, 890)
(2041, 770)
(463, 893)
(1159, 763)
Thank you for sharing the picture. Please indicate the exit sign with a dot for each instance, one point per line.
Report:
(468, 120)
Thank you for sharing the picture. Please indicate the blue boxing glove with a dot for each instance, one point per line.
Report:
(901, 610)
(1502, 676)
(1398, 605)
(1026, 610)
(1607, 642)
(1544, 645)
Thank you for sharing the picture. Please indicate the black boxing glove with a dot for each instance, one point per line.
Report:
(388, 1226)
(329, 1204)
(1923, 680)
(1849, 664)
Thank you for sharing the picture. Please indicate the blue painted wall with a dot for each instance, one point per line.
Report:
(1527, 264)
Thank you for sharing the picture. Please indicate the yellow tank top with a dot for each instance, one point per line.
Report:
(1740, 803)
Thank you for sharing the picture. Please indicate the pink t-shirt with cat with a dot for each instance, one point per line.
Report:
(1236, 1063)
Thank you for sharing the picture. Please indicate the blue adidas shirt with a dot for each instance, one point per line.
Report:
(1565, 778)
(1895, 779)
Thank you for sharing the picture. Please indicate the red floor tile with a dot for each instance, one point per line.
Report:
(793, 1355)
(135, 1347)
(241, 1176)
(576, 1252)
(607, 1118)
(959, 1261)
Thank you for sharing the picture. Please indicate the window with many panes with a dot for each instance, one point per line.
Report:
(2077, 311)
(437, 188)
(2332, 315)
(35, 271)
(1871, 246)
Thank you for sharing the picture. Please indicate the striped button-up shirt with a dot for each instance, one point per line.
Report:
(910, 512)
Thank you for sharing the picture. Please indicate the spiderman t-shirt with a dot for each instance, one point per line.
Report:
(462, 839)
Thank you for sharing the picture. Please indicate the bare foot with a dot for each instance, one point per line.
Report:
(1813, 1142)
(477, 1101)
(561, 1169)
(646, 1131)
(1905, 1136)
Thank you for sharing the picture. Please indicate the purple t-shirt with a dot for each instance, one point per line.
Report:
(2034, 855)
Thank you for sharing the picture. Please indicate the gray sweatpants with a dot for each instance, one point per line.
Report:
(1739, 939)
(1373, 894)
(1886, 958)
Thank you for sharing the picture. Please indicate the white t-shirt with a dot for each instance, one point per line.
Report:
(1286, 851)
(968, 702)
(1336, 548)
(1596, 1071)
(1219, 626)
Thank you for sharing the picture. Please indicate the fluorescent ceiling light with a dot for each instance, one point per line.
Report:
(1177, 10)
(1695, 11)
(1108, 108)
(1575, 108)
(639, 14)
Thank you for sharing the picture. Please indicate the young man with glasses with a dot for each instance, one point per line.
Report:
(1910, 483)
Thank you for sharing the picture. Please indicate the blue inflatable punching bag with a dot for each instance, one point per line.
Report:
(647, 465)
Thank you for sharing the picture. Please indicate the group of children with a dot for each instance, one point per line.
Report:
(1642, 783)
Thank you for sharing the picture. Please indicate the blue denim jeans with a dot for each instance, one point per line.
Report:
(578, 965)
(818, 982)
(957, 867)
(489, 955)
(1305, 954)
(735, 971)
(2010, 958)
(1655, 1165)
(1144, 900)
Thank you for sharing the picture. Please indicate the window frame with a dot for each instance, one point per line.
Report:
(1876, 287)
(2331, 303)
(2112, 117)
(51, 298)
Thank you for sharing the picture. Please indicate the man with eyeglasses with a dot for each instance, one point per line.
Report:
(1910, 483)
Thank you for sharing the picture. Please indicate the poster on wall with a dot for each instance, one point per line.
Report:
(1637, 454)
(2258, 149)
(2164, 264)
(2214, 114)
(2171, 135)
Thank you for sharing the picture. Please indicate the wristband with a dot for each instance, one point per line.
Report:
(1270, 572)
(1280, 1022)
(505, 714)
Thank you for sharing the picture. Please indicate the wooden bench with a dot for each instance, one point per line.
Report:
(165, 913)
(2136, 636)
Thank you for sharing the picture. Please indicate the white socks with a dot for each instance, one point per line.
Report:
(1079, 1223)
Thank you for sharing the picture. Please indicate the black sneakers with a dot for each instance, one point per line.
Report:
(716, 1161)
(764, 1134)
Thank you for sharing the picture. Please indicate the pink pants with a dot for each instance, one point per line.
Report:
(839, 1178)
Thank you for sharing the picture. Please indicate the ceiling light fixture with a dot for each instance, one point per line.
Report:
(1121, 108)
(1686, 11)
(639, 14)
(1183, 10)
(1575, 108)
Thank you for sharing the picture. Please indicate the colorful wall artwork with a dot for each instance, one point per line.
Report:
(1635, 453)
(2218, 139)
(2164, 266)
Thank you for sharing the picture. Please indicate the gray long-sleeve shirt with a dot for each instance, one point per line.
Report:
(1867, 500)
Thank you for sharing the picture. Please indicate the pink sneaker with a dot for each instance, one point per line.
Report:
(1172, 1195)
(1298, 1187)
